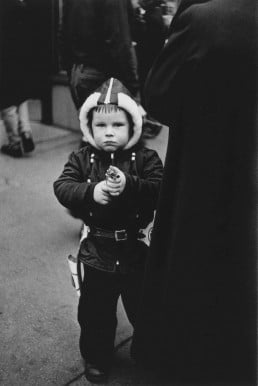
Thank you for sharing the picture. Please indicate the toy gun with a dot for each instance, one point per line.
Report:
(112, 173)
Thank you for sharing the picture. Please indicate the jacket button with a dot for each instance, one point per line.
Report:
(117, 263)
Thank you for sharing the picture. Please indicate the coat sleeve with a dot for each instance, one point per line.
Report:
(147, 185)
(71, 189)
(167, 81)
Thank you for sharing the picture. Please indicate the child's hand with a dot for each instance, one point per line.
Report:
(115, 185)
(101, 193)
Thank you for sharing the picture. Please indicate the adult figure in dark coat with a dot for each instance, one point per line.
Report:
(25, 63)
(96, 44)
(198, 316)
(151, 39)
(25, 50)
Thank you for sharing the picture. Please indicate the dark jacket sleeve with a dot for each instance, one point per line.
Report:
(146, 186)
(72, 189)
(167, 82)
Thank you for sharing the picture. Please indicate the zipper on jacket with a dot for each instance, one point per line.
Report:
(112, 158)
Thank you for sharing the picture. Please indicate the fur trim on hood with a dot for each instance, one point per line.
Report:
(112, 92)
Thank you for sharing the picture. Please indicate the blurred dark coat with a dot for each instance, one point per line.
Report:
(151, 39)
(98, 34)
(25, 49)
(198, 315)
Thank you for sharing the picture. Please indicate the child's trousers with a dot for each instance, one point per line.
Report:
(97, 310)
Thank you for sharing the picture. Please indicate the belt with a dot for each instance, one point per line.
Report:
(117, 235)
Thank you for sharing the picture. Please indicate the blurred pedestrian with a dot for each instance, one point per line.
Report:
(150, 32)
(18, 130)
(152, 37)
(113, 184)
(198, 317)
(14, 77)
(96, 44)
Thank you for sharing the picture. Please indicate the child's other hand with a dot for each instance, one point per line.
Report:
(101, 193)
(116, 187)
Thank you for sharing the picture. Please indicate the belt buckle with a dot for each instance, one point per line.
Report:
(121, 235)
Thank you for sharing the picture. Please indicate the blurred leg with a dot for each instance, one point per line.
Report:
(25, 128)
(24, 121)
(10, 119)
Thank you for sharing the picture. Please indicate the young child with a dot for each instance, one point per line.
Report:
(112, 184)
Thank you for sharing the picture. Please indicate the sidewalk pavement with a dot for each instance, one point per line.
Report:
(38, 306)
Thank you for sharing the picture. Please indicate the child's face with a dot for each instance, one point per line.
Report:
(110, 130)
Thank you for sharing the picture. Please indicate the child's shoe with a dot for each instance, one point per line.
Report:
(95, 374)
(13, 149)
(27, 142)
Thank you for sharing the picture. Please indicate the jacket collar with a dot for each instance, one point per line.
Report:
(118, 154)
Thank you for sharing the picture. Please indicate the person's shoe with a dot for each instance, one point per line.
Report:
(13, 149)
(27, 142)
(95, 374)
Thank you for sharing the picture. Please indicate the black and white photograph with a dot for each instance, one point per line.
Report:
(128, 192)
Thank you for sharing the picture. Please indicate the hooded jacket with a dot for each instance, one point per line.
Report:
(134, 208)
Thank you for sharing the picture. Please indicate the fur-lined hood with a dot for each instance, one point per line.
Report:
(112, 92)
